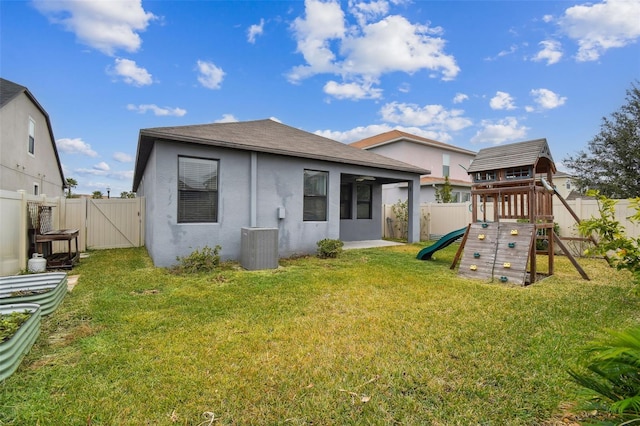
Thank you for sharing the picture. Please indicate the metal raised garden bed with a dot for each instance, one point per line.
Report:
(13, 350)
(47, 290)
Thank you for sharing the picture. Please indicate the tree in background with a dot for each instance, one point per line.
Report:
(71, 183)
(97, 195)
(612, 165)
(125, 194)
(443, 194)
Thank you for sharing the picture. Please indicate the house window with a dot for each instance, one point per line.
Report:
(197, 190)
(446, 162)
(363, 193)
(346, 198)
(36, 189)
(32, 136)
(315, 195)
(518, 173)
(484, 176)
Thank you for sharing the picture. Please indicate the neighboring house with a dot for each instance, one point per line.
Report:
(28, 156)
(443, 160)
(205, 184)
(564, 184)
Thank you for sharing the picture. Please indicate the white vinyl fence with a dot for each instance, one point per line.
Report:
(437, 220)
(105, 223)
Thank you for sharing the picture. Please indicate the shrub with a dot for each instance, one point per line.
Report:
(621, 251)
(205, 260)
(611, 376)
(329, 248)
(401, 212)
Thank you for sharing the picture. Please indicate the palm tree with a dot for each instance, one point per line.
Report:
(71, 183)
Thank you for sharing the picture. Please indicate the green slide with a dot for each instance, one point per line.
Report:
(425, 253)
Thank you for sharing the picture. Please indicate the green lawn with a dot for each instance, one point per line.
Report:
(375, 337)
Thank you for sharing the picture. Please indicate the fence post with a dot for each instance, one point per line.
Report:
(24, 225)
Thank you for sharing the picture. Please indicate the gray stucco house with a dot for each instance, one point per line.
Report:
(205, 184)
(29, 159)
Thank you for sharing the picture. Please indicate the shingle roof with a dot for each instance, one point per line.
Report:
(397, 135)
(9, 90)
(430, 180)
(264, 136)
(518, 154)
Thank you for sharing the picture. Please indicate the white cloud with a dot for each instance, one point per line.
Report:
(254, 31)
(102, 166)
(131, 73)
(434, 117)
(368, 11)
(459, 98)
(227, 118)
(601, 26)
(551, 52)
(394, 44)
(365, 50)
(547, 18)
(166, 111)
(75, 146)
(103, 25)
(546, 99)
(210, 76)
(505, 130)
(512, 49)
(362, 132)
(324, 21)
(100, 170)
(352, 90)
(502, 100)
(122, 157)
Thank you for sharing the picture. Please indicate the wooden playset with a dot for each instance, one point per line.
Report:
(512, 215)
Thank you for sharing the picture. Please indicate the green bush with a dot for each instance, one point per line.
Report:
(611, 377)
(329, 248)
(205, 260)
(621, 251)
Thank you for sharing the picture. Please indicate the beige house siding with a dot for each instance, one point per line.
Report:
(19, 169)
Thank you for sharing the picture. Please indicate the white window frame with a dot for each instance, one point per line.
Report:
(31, 140)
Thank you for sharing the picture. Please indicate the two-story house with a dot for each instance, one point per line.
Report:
(29, 159)
(443, 160)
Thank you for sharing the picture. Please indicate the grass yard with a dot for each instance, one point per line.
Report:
(375, 337)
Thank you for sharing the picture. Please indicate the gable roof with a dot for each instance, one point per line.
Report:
(266, 136)
(8, 92)
(534, 153)
(393, 136)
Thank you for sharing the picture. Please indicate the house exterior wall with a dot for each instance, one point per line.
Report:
(19, 169)
(279, 186)
(393, 192)
(427, 157)
(364, 229)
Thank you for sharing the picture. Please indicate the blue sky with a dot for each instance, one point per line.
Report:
(468, 73)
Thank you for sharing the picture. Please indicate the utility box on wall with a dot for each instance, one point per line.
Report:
(259, 248)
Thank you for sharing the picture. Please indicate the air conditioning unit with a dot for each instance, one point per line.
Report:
(259, 248)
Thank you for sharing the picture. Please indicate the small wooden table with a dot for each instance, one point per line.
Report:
(44, 234)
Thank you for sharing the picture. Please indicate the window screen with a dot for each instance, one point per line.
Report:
(315, 195)
(197, 190)
(363, 192)
(345, 200)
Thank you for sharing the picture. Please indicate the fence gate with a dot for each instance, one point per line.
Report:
(115, 223)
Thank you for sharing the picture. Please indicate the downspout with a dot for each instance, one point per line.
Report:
(253, 190)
